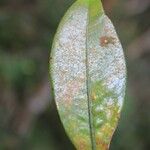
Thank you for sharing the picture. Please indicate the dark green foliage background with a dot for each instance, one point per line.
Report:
(28, 117)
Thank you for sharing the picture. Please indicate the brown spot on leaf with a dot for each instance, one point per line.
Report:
(105, 40)
(93, 96)
(82, 144)
(72, 88)
(100, 144)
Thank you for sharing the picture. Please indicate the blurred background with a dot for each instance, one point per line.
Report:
(28, 116)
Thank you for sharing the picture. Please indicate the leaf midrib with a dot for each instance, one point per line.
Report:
(92, 132)
(97, 6)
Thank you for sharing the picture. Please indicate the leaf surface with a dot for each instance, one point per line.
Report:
(88, 73)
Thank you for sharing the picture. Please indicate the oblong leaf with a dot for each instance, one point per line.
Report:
(88, 73)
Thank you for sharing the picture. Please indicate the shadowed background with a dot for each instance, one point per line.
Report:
(28, 117)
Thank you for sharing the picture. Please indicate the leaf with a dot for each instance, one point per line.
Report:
(88, 75)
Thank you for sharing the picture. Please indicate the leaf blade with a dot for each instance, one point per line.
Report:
(107, 69)
(72, 26)
(83, 84)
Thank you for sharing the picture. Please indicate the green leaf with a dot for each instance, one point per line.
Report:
(88, 75)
